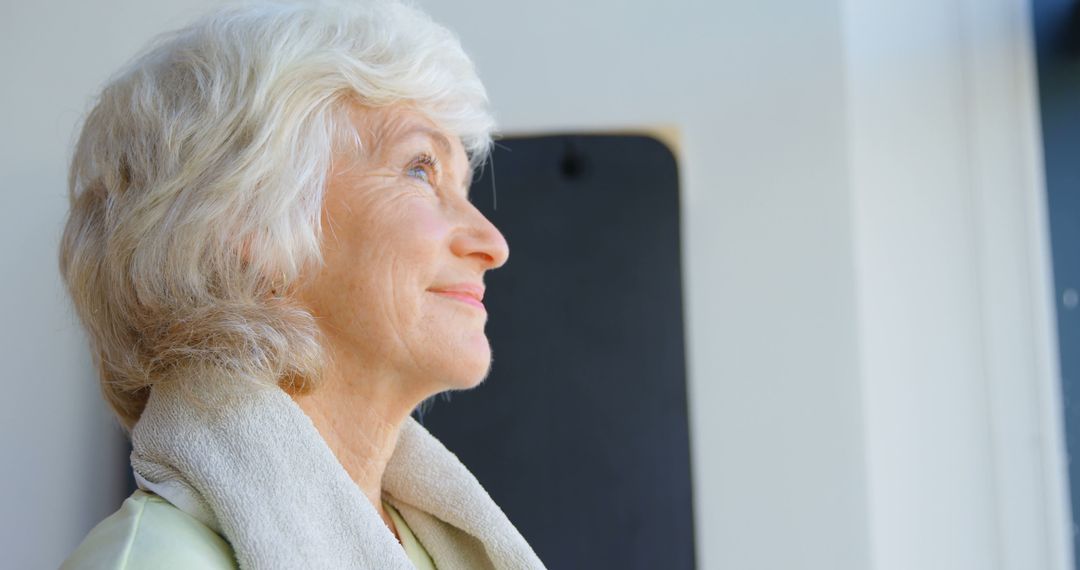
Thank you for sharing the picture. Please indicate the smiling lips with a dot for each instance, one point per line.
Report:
(464, 292)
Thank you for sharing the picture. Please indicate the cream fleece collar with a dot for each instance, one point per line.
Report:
(247, 462)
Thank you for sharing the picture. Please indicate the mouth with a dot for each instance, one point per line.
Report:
(466, 293)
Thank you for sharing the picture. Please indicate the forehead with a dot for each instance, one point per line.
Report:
(385, 127)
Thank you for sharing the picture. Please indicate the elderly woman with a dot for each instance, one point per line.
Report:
(272, 249)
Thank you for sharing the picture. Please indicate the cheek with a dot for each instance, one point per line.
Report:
(392, 236)
(388, 248)
(420, 236)
(429, 225)
(414, 245)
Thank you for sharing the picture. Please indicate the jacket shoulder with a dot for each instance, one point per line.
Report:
(149, 532)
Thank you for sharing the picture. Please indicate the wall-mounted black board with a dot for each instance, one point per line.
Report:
(580, 433)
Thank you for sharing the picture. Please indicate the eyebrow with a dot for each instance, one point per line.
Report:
(444, 145)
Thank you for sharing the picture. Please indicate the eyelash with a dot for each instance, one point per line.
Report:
(425, 159)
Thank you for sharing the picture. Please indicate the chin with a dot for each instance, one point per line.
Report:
(469, 373)
(474, 377)
(462, 364)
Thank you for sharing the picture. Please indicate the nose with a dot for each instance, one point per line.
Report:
(480, 239)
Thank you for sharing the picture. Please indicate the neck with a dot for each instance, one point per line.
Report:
(359, 414)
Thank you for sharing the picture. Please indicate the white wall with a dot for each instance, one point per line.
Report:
(965, 450)
(61, 449)
(809, 449)
(920, 302)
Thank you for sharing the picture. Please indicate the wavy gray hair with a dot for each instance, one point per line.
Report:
(196, 184)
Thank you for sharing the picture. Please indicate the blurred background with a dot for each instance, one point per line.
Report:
(879, 232)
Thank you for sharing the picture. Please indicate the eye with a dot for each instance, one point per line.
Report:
(423, 168)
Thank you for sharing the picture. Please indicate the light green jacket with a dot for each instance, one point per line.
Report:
(149, 532)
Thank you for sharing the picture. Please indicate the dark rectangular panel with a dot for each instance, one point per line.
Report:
(580, 433)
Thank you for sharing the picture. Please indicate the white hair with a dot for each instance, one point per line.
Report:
(197, 182)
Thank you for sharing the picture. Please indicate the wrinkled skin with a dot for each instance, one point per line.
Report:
(394, 229)
(389, 238)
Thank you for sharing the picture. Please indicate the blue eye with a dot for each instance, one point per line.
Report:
(423, 168)
(419, 172)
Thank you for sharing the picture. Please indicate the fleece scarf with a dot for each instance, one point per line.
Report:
(246, 461)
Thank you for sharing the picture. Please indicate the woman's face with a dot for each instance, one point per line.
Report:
(399, 237)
